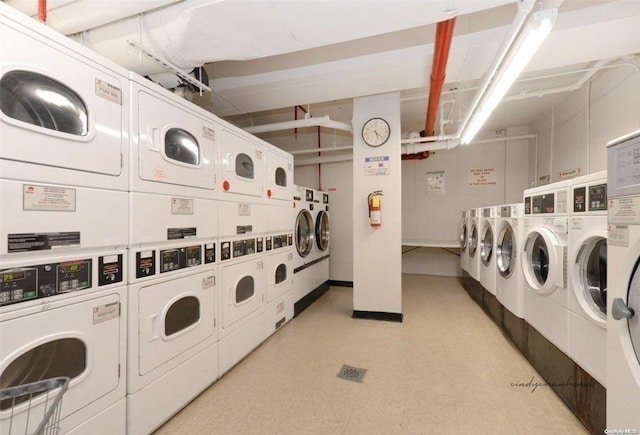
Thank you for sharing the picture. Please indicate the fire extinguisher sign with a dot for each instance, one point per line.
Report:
(376, 165)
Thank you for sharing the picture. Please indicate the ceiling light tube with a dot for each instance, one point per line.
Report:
(527, 43)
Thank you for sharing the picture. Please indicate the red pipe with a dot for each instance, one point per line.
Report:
(42, 10)
(417, 156)
(444, 36)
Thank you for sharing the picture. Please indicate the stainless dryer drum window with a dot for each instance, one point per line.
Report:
(281, 177)
(463, 237)
(181, 315)
(281, 273)
(592, 264)
(322, 231)
(304, 233)
(182, 146)
(244, 166)
(486, 245)
(245, 289)
(506, 251)
(473, 240)
(539, 259)
(41, 101)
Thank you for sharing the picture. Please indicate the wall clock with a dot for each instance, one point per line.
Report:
(376, 132)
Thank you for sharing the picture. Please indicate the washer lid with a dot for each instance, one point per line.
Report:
(506, 251)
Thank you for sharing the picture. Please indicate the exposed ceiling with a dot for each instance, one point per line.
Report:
(274, 54)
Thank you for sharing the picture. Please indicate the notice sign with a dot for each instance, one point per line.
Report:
(48, 198)
(376, 165)
(435, 183)
(482, 177)
(569, 173)
(624, 210)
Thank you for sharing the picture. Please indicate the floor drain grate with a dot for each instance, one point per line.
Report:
(352, 373)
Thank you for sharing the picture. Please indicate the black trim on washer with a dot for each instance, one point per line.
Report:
(311, 263)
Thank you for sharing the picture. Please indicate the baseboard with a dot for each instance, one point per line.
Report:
(377, 315)
(310, 298)
(341, 283)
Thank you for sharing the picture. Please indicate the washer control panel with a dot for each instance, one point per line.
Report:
(180, 258)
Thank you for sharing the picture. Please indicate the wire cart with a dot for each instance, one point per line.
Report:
(31, 394)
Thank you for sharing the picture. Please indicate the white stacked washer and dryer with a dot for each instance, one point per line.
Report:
(63, 163)
(509, 242)
(242, 225)
(623, 311)
(487, 248)
(322, 235)
(544, 261)
(279, 256)
(588, 268)
(304, 241)
(172, 348)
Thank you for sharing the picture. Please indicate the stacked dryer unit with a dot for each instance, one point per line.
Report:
(173, 350)
(588, 268)
(278, 239)
(322, 235)
(474, 243)
(464, 241)
(544, 262)
(242, 227)
(304, 242)
(488, 233)
(623, 311)
(63, 258)
(509, 242)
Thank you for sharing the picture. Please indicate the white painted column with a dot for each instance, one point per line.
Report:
(377, 252)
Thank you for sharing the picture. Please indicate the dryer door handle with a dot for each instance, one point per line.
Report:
(154, 138)
(620, 310)
(154, 327)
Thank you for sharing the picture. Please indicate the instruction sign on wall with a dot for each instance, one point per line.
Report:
(482, 177)
(569, 173)
(435, 183)
(376, 165)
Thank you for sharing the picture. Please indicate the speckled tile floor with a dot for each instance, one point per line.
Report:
(446, 369)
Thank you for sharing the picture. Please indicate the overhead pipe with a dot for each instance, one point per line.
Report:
(444, 36)
(321, 160)
(308, 121)
(42, 10)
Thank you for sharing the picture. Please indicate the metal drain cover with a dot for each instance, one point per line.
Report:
(352, 373)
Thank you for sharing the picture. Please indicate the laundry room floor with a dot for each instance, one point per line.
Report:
(446, 369)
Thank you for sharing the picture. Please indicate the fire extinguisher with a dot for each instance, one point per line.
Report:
(375, 206)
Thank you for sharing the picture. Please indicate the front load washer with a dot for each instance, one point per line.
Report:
(623, 310)
(172, 349)
(304, 241)
(173, 144)
(488, 233)
(509, 239)
(66, 315)
(64, 128)
(544, 261)
(243, 280)
(588, 269)
(323, 238)
(474, 244)
(464, 241)
(279, 267)
(241, 166)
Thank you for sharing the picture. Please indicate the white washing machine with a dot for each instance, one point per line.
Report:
(623, 321)
(64, 128)
(172, 349)
(474, 243)
(279, 267)
(243, 280)
(304, 241)
(488, 234)
(544, 261)
(588, 269)
(173, 145)
(241, 167)
(464, 241)
(509, 240)
(323, 238)
(66, 315)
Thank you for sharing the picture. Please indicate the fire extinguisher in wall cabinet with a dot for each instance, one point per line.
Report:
(375, 208)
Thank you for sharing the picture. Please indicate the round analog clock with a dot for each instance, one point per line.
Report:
(376, 132)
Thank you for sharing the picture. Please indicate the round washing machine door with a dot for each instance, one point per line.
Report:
(463, 237)
(486, 243)
(590, 277)
(543, 261)
(631, 310)
(322, 230)
(506, 251)
(304, 233)
(473, 240)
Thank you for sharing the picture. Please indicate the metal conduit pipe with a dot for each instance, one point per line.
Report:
(322, 121)
(42, 10)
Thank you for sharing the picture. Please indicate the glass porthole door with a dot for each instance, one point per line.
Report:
(591, 268)
(506, 251)
(542, 265)
(473, 240)
(463, 237)
(486, 244)
(322, 231)
(304, 233)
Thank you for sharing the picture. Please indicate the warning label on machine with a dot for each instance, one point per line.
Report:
(48, 198)
(181, 233)
(42, 241)
(624, 210)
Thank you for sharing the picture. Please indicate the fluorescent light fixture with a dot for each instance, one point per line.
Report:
(527, 43)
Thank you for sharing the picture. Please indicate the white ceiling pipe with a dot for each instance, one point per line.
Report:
(321, 160)
(322, 121)
(321, 150)
(414, 148)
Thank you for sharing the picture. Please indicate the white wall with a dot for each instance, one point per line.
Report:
(574, 133)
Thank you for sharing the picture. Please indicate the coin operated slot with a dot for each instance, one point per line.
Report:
(269, 243)
(209, 253)
(109, 269)
(225, 251)
(145, 264)
(259, 244)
